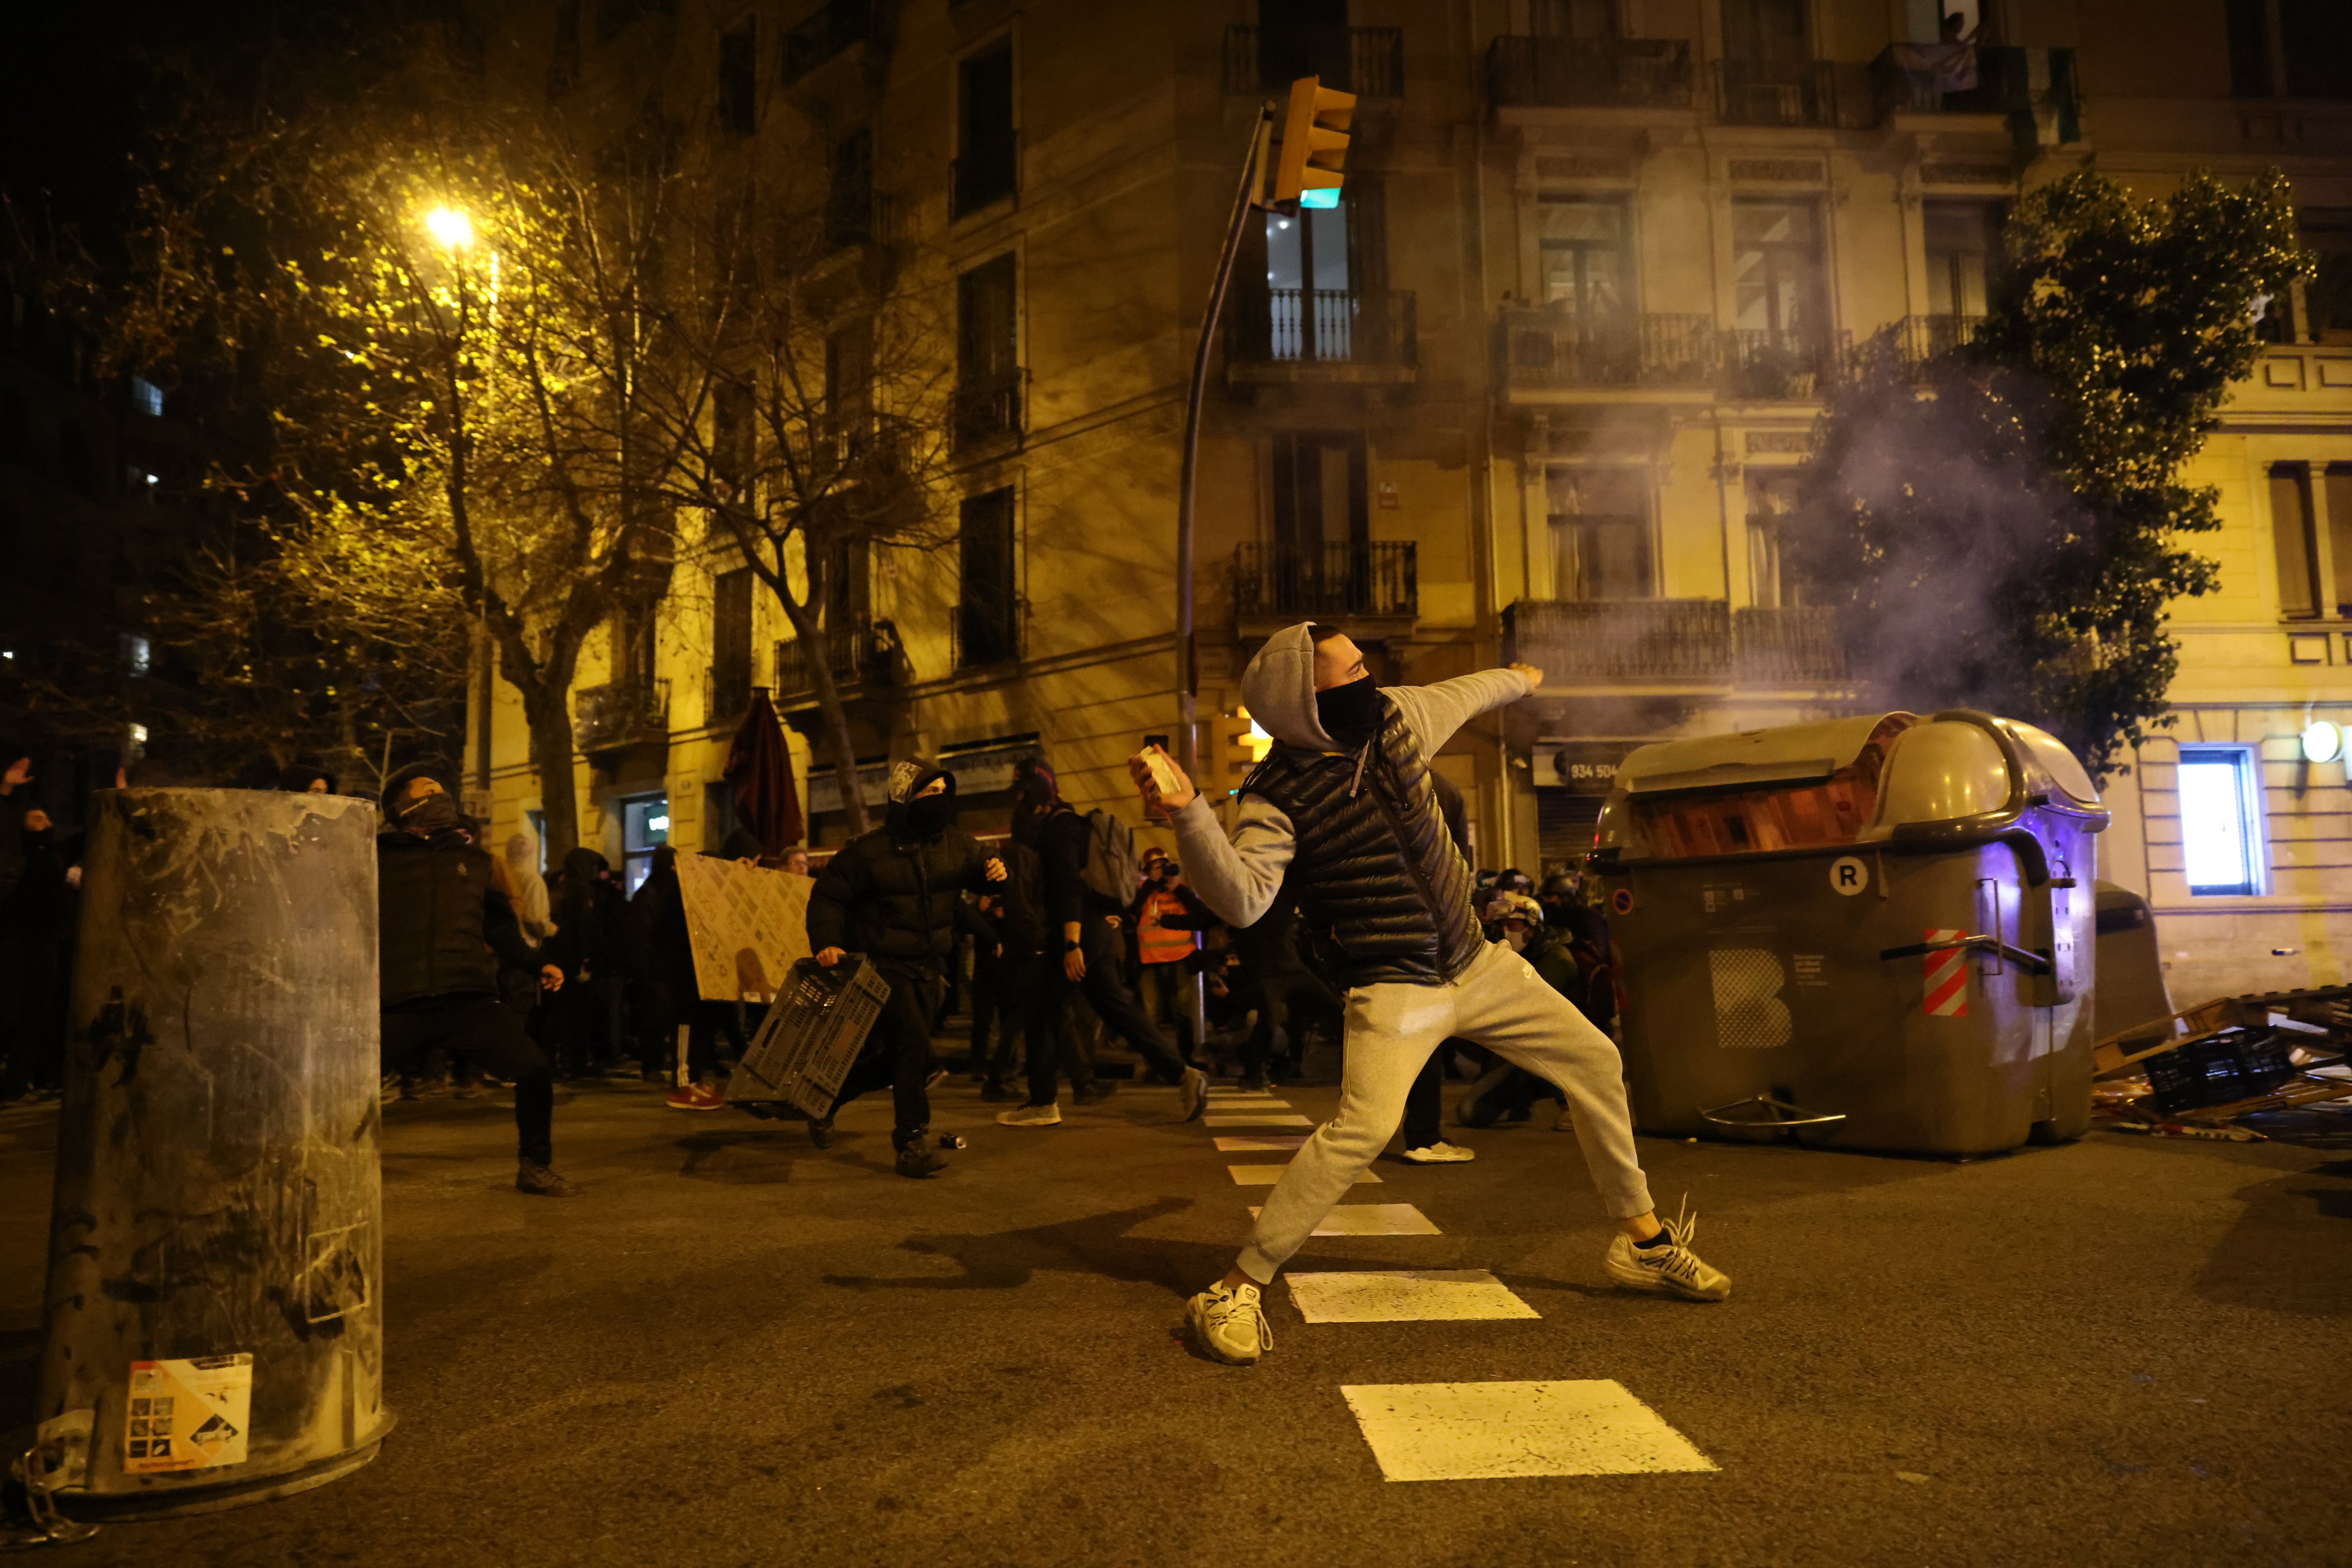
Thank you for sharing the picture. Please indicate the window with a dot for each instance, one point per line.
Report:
(739, 78)
(730, 646)
(2316, 36)
(2249, 48)
(1776, 269)
(849, 194)
(1963, 246)
(563, 58)
(1305, 38)
(1310, 299)
(1764, 31)
(1573, 18)
(1600, 533)
(1318, 495)
(987, 165)
(1586, 271)
(2311, 530)
(849, 386)
(718, 818)
(146, 397)
(2327, 297)
(987, 616)
(645, 827)
(1772, 581)
(988, 353)
(2220, 820)
(138, 654)
(733, 435)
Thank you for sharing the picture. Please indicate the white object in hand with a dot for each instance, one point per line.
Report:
(1164, 777)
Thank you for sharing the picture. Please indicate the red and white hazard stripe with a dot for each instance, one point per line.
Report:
(1947, 977)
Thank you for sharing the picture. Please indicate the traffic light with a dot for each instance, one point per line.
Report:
(1235, 746)
(1314, 145)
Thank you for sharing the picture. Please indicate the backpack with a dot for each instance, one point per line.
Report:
(1111, 872)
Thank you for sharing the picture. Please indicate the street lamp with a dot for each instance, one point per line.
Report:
(451, 228)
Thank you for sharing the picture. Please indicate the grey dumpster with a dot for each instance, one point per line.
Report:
(1875, 931)
(213, 1328)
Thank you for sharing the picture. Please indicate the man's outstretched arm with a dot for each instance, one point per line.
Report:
(1434, 713)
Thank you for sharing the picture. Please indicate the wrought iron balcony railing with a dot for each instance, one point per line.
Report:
(830, 29)
(861, 654)
(1923, 338)
(1365, 61)
(1776, 365)
(1776, 93)
(1791, 645)
(1330, 581)
(984, 412)
(1326, 326)
(984, 635)
(1621, 639)
(1574, 73)
(2022, 85)
(620, 714)
(1554, 349)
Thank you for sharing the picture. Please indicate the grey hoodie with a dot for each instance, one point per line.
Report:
(1238, 878)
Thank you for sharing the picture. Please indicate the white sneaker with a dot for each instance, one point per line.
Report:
(1672, 1270)
(1192, 1093)
(1441, 1153)
(1229, 1324)
(1030, 1116)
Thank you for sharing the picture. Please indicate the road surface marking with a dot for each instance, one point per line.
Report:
(1262, 1140)
(1404, 1296)
(1372, 1219)
(1270, 1119)
(1253, 1102)
(1266, 1175)
(1489, 1431)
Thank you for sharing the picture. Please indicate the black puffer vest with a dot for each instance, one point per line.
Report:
(1384, 895)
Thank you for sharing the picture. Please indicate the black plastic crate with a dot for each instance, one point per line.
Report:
(803, 1048)
(2230, 1065)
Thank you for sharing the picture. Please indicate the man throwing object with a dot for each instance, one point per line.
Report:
(1343, 813)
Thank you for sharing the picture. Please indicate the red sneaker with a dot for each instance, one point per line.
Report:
(697, 1097)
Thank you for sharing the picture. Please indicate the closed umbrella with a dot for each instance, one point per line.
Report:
(760, 768)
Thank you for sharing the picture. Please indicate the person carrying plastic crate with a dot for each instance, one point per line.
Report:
(1343, 815)
(892, 895)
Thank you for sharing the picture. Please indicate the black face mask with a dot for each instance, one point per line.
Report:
(434, 814)
(1351, 714)
(929, 813)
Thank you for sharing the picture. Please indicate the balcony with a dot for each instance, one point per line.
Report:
(1551, 350)
(1673, 642)
(1661, 641)
(986, 412)
(834, 28)
(1776, 93)
(1775, 364)
(2032, 90)
(1923, 338)
(986, 635)
(1797, 646)
(614, 717)
(1323, 334)
(1350, 584)
(860, 654)
(986, 174)
(1585, 73)
(1365, 61)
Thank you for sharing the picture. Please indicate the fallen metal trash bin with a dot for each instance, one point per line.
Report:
(1870, 932)
(213, 1331)
(804, 1048)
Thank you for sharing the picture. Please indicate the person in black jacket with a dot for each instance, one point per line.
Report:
(443, 926)
(892, 895)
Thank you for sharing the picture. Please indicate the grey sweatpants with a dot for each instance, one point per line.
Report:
(1500, 1003)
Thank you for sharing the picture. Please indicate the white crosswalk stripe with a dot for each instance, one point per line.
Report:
(1404, 1296)
(1262, 1141)
(1373, 1219)
(1261, 1119)
(1486, 1431)
(1266, 1175)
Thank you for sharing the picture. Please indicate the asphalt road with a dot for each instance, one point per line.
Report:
(734, 1349)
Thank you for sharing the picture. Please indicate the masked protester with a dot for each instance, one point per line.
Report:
(443, 926)
(1342, 815)
(892, 895)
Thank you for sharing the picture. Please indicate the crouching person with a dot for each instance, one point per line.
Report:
(891, 895)
(443, 926)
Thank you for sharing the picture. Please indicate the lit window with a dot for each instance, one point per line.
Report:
(146, 396)
(137, 653)
(2220, 820)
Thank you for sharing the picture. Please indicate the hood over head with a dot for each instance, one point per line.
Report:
(909, 779)
(1279, 688)
(522, 851)
(582, 866)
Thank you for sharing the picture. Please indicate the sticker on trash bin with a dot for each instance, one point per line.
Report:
(1621, 900)
(1947, 977)
(187, 1414)
(1849, 874)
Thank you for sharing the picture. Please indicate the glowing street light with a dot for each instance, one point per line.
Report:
(449, 228)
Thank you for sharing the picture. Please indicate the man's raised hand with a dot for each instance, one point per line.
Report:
(1163, 785)
(1534, 676)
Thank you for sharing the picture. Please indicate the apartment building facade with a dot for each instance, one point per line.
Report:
(1537, 388)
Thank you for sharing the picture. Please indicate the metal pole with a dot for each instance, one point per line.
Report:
(1188, 670)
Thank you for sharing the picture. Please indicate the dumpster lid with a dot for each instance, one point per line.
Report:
(1787, 754)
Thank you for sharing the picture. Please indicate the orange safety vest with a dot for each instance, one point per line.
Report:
(1158, 943)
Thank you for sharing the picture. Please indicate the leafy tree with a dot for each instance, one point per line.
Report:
(2004, 525)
